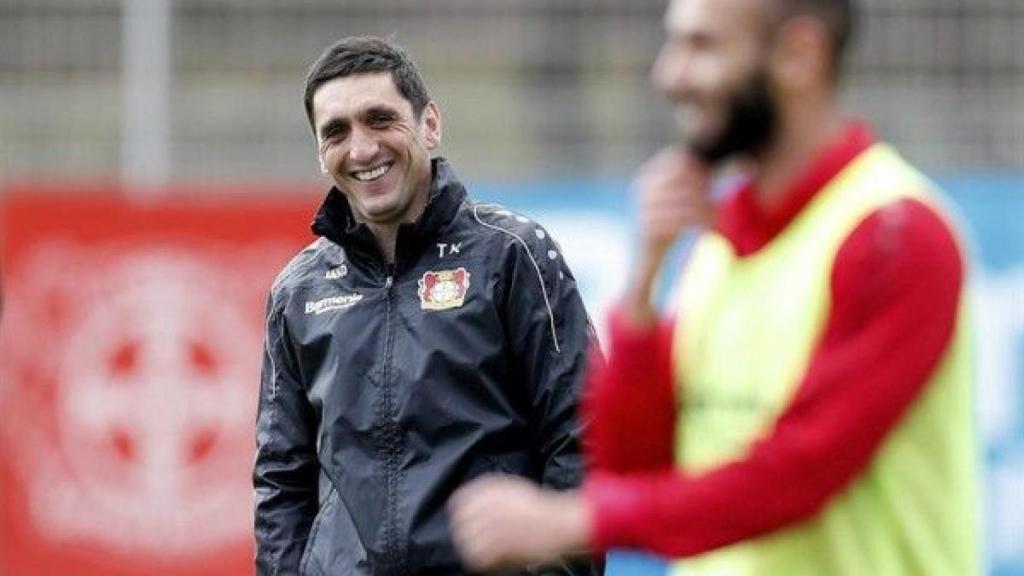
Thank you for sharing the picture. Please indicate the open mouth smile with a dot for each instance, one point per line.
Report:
(373, 173)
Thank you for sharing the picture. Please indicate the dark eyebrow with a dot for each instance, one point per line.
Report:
(332, 127)
(379, 112)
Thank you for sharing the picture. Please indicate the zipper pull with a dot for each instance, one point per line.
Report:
(390, 280)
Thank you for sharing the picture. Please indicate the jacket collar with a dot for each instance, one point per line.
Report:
(334, 219)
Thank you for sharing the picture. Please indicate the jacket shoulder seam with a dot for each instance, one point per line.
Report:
(533, 261)
(298, 264)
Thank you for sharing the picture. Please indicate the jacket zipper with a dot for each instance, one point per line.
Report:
(390, 436)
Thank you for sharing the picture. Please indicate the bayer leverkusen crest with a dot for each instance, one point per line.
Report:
(443, 289)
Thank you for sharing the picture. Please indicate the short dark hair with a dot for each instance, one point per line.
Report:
(367, 55)
(838, 17)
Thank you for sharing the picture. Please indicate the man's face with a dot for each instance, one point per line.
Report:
(373, 147)
(712, 67)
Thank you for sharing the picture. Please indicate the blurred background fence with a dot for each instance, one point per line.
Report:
(547, 108)
(530, 88)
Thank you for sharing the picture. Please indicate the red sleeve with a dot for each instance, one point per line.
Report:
(895, 292)
(630, 400)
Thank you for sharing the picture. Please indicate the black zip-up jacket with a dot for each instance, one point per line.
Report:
(385, 387)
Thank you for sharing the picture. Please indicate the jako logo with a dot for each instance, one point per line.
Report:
(332, 303)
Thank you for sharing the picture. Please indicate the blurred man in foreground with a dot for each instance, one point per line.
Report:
(422, 340)
(810, 410)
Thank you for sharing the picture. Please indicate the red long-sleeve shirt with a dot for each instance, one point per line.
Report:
(895, 288)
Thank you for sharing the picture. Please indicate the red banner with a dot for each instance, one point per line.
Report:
(131, 347)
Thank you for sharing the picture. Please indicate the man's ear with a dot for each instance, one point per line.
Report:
(432, 125)
(800, 57)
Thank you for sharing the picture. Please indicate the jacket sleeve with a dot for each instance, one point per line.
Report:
(285, 469)
(551, 335)
(630, 402)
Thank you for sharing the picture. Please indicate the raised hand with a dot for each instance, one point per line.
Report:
(671, 192)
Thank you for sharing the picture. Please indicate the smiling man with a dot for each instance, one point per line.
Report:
(422, 340)
(808, 409)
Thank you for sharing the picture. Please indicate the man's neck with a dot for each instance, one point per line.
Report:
(803, 133)
(387, 237)
(387, 233)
